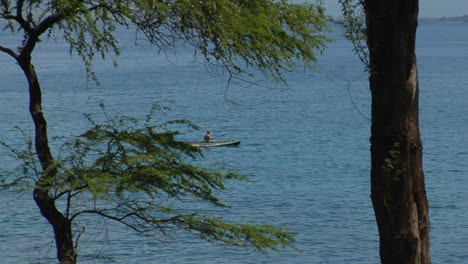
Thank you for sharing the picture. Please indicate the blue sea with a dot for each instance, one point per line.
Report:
(305, 146)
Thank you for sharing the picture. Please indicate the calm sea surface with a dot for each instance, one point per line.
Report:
(306, 147)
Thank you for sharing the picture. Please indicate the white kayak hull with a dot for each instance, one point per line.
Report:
(215, 144)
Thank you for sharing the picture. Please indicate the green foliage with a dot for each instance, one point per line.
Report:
(133, 159)
(235, 36)
(88, 32)
(23, 178)
(259, 237)
(240, 34)
(135, 172)
(354, 25)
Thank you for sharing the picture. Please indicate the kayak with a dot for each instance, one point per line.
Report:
(215, 144)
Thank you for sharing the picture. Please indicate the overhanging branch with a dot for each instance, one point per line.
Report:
(134, 226)
(9, 52)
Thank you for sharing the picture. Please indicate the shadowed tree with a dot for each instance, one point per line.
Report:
(398, 190)
(232, 35)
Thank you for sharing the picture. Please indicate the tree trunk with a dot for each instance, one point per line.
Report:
(397, 180)
(60, 224)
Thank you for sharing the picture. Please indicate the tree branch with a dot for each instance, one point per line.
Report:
(78, 191)
(112, 217)
(19, 7)
(46, 24)
(9, 52)
(49, 21)
(136, 227)
(18, 18)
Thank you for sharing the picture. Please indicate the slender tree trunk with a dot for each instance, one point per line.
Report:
(397, 179)
(60, 224)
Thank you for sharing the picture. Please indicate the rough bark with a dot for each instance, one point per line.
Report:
(60, 224)
(397, 180)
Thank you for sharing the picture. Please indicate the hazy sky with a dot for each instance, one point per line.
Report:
(427, 8)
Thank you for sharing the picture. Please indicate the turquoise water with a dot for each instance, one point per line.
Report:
(306, 147)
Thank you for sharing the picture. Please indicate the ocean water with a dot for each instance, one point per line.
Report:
(306, 146)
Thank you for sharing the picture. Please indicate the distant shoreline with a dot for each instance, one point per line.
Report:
(459, 19)
(444, 19)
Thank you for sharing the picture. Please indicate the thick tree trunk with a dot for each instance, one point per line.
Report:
(60, 224)
(397, 180)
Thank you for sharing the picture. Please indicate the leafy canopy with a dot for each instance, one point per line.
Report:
(135, 172)
(236, 36)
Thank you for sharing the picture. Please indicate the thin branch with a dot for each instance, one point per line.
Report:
(115, 218)
(101, 213)
(9, 52)
(112, 11)
(121, 219)
(78, 191)
(7, 16)
(77, 239)
(23, 23)
(47, 23)
(68, 205)
(19, 16)
(19, 8)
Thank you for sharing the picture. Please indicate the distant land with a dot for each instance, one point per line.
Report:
(444, 19)
(459, 19)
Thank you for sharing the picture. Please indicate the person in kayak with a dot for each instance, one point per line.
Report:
(207, 138)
